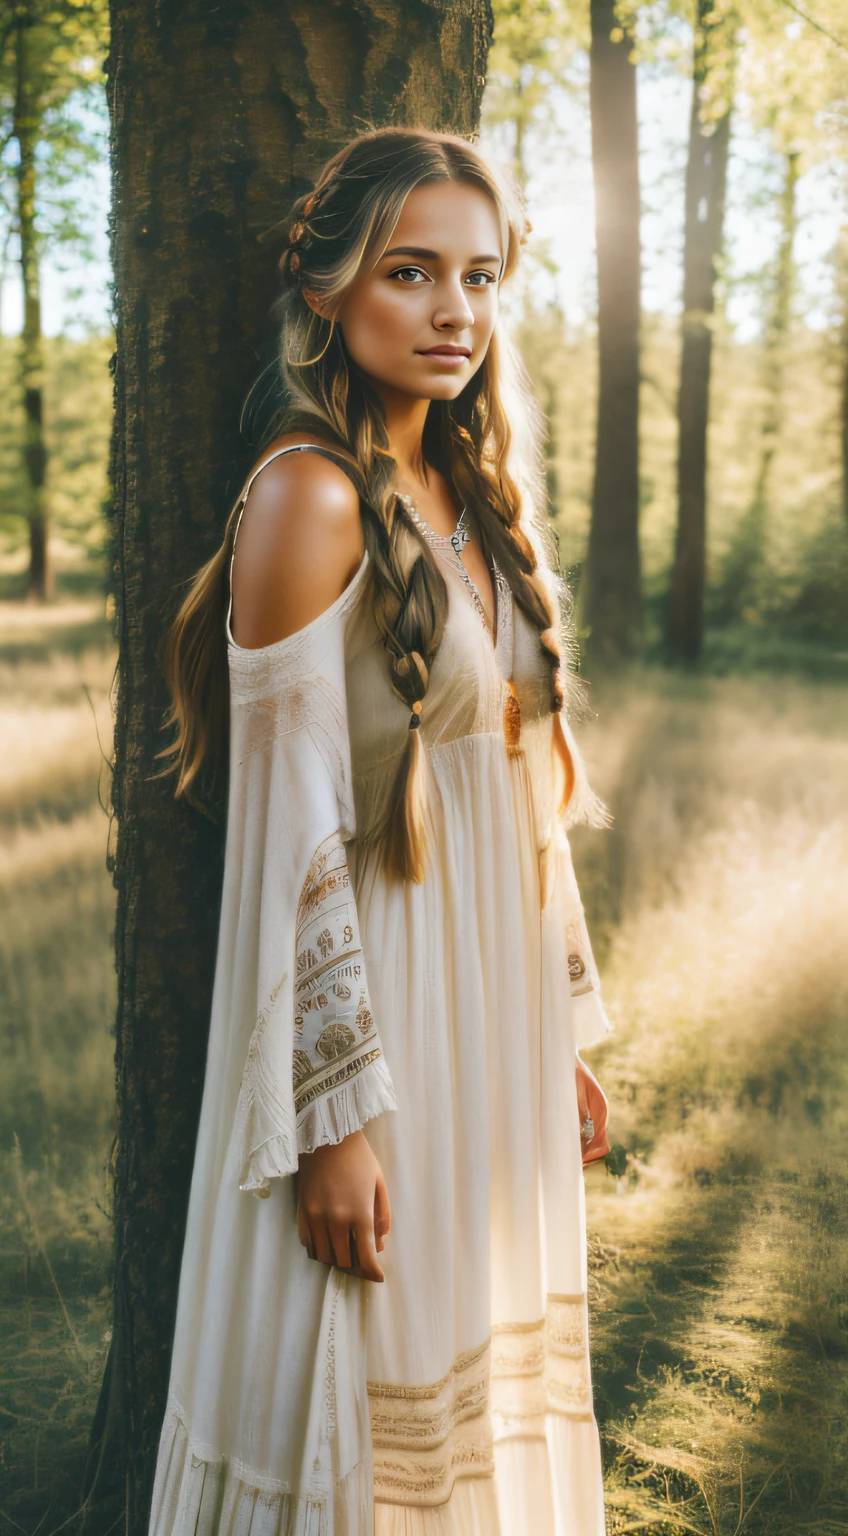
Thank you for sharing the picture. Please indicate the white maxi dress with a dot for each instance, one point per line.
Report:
(442, 1018)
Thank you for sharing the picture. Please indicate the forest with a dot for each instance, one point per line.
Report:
(682, 312)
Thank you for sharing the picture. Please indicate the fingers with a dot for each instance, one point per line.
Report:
(304, 1231)
(343, 1211)
(335, 1242)
(339, 1231)
(369, 1266)
(320, 1247)
(382, 1213)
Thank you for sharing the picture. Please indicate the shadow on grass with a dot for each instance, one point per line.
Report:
(720, 1345)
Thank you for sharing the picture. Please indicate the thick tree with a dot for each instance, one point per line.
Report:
(221, 116)
(613, 599)
(706, 181)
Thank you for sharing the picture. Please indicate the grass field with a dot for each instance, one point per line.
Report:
(719, 906)
(57, 990)
(720, 900)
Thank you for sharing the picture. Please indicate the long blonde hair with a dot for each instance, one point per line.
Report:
(342, 225)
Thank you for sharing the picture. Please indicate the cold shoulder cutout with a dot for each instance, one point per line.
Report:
(290, 644)
(332, 608)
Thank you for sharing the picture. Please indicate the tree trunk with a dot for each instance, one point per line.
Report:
(613, 602)
(844, 380)
(778, 326)
(744, 566)
(706, 180)
(25, 130)
(221, 116)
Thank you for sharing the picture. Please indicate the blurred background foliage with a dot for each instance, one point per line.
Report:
(719, 900)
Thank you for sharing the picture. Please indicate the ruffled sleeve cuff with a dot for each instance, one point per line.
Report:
(346, 1108)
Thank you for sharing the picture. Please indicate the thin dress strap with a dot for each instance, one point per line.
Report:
(324, 453)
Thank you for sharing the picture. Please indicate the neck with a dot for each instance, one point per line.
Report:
(405, 418)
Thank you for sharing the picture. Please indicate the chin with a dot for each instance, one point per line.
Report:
(446, 386)
(443, 389)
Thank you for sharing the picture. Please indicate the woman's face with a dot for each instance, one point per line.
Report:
(420, 322)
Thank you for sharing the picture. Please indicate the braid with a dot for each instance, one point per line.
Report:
(410, 611)
(301, 236)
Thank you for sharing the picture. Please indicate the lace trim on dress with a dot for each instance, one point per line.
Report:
(425, 1437)
(540, 1368)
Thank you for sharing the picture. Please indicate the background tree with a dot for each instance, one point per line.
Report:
(792, 79)
(706, 181)
(534, 40)
(613, 599)
(534, 43)
(220, 117)
(50, 57)
(842, 258)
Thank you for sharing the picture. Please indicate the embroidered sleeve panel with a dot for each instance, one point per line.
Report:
(339, 1074)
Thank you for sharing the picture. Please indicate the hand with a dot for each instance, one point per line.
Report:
(343, 1213)
(592, 1105)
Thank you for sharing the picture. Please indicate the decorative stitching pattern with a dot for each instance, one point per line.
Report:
(424, 1437)
(336, 1038)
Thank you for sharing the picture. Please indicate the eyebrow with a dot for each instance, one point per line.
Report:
(425, 255)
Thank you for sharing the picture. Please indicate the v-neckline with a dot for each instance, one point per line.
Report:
(444, 542)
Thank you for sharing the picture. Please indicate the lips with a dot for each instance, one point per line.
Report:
(447, 352)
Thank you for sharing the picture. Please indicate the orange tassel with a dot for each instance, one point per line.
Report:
(512, 721)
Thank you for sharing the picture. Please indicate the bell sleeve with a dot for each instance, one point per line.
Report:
(580, 805)
(589, 1018)
(314, 1069)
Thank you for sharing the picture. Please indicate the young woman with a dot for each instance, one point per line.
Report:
(403, 973)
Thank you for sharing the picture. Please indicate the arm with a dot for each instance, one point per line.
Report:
(298, 547)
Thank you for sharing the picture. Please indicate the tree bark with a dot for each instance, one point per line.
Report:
(706, 181)
(25, 130)
(613, 601)
(221, 116)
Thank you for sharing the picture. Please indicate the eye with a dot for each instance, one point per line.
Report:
(480, 279)
(410, 275)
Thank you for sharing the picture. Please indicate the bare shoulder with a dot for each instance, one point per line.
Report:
(299, 544)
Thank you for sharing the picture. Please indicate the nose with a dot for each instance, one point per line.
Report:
(453, 311)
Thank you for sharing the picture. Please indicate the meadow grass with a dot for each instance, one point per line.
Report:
(718, 903)
(720, 899)
(57, 1000)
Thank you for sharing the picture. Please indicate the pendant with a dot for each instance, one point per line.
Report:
(460, 536)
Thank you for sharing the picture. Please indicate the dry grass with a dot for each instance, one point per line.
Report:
(57, 999)
(721, 1315)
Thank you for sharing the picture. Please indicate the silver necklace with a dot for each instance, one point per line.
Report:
(457, 542)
